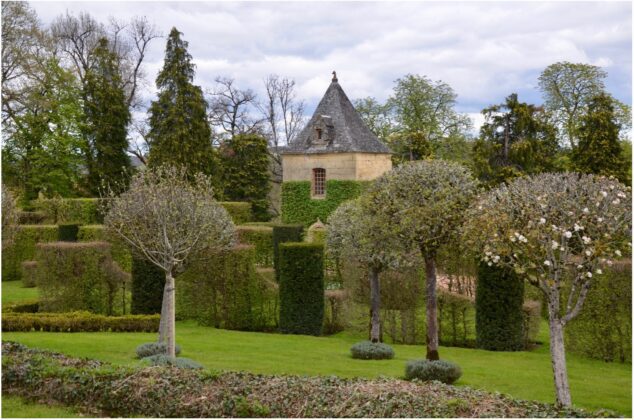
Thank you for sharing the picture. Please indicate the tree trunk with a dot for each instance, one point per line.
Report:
(375, 304)
(162, 323)
(170, 321)
(558, 360)
(432, 315)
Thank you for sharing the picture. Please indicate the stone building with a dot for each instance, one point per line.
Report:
(334, 145)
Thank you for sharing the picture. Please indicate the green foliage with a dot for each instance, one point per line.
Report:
(532, 315)
(301, 278)
(240, 212)
(80, 276)
(516, 139)
(179, 132)
(151, 349)
(499, 315)
(106, 119)
(284, 233)
(67, 232)
(261, 237)
(31, 217)
(86, 211)
(119, 248)
(29, 271)
(165, 360)
(371, 351)
(225, 291)
(599, 150)
(604, 329)
(433, 370)
(30, 307)
(148, 282)
(78, 322)
(23, 248)
(455, 319)
(299, 207)
(245, 164)
(116, 391)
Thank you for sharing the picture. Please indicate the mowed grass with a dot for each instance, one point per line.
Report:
(524, 375)
(13, 292)
(17, 407)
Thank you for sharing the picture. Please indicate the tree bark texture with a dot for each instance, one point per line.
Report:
(170, 320)
(375, 304)
(431, 308)
(558, 357)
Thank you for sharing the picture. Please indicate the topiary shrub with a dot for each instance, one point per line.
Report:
(239, 211)
(164, 360)
(29, 273)
(23, 248)
(433, 370)
(31, 217)
(301, 279)
(67, 232)
(281, 234)
(371, 351)
(148, 282)
(261, 237)
(151, 349)
(75, 276)
(76, 322)
(499, 315)
(120, 250)
(225, 291)
(532, 319)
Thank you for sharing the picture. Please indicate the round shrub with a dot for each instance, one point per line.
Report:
(433, 370)
(152, 349)
(164, 360)
(369, 350)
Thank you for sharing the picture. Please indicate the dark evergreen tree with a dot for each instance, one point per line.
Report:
(516, 139)
(245, 163)
(179, 133)
(599, 150)
(106, 120)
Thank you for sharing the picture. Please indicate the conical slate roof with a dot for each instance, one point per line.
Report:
(339, 125)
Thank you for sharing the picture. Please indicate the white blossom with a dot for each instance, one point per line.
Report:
(542, 221)
(555, 244)
(599, 271)
(586, 240)
(568, 234)
(618, 253)
(588, 252)
(586, 210)
(599, 219)
(578, 227)
(603, 193)
(547, 263)
(589, 274)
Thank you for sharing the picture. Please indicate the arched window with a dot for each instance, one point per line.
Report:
(319, 182)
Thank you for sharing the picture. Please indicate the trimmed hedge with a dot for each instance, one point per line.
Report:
(301, 279)
(531, 310)
(603, 329)
(120, 251)
(299, 207)
(225, 291)
(23, 248)
(86, 211)
(499, 315)
(261, 237)
(107, 390)
(281, 234)
(67, 232)
(79, 321)
(454, 312)
(148, 282)
(75, 276)
(29, 273)
(31, 217)
(239, 211)
(433, 370)
(30, 306)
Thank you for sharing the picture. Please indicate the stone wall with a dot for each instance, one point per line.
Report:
(341, 166)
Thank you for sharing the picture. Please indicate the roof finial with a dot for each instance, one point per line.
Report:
(334, 76)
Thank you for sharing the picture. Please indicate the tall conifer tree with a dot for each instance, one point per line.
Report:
(179, 133)
(107, 118)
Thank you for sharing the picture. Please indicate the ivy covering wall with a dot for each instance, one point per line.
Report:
(299, 207)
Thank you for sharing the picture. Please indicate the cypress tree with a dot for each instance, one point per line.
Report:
(106, 120)
(599, 151)
(179, 133)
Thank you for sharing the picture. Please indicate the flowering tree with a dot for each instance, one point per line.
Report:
(424, 202)
(168, 217)
(357, 232)
(9, 217)
(557, 231)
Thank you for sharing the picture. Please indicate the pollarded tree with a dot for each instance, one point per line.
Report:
(425, 202)
(179, 133)
(169, 216)
(556, 231)
(357, 232)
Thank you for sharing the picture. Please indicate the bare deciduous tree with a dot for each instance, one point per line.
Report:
(232, 110)
(169, 219)
(9, 217)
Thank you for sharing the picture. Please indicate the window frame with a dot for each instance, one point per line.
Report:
(318, 180)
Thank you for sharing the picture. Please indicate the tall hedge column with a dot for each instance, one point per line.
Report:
(499, 316)
(284, 233)
(301, 288)
(148, 282)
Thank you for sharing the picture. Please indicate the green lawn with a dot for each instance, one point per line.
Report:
(525, 375)
(13, 292)
(16, 407)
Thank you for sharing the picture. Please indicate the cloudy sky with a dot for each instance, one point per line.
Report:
(484, 50)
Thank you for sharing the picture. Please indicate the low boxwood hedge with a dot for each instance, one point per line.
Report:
(78, 322)
(433, 370)
(371, 351)
(239, 211)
